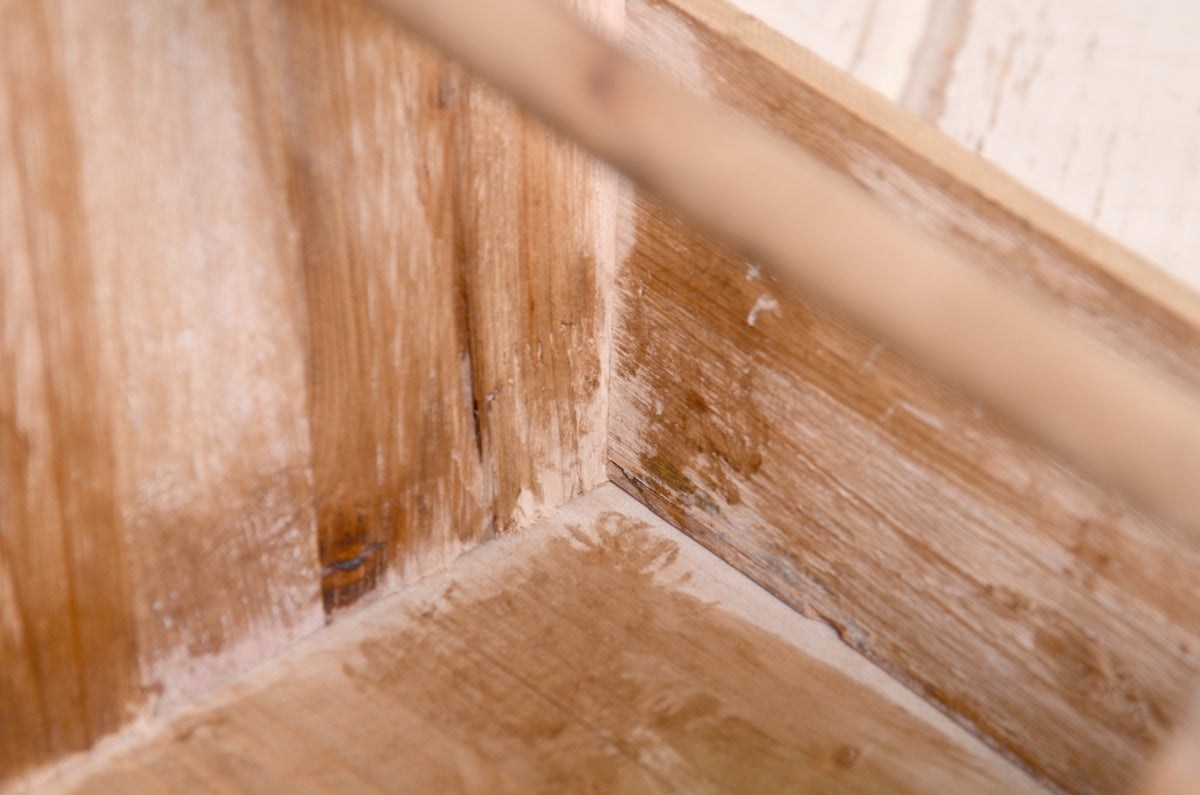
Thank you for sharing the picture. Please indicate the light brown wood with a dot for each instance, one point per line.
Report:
(601, 651)
(152, 537)
(1129, 427)
(535, 242)
(370, 170)
(291, 307)
(50, 699)
(288, 311)
(1175, 769)
(455, 264)
(1024, 600)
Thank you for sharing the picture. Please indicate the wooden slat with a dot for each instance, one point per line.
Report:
(397, 472)
(535, 243)
(264, 267)
(784, 204)
(1023, 600)
(453, 257)
(142, 523)
(600, 651)
(64, 585)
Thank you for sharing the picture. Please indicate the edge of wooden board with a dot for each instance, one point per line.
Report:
(745, 30)
(713, 362)
(591, 622)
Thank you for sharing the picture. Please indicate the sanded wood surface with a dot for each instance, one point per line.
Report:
(155, 502)
(1028, 603)
(535, 241)
(1125, 425)
(290, 306)
(370, 183)
(601, 651)
(1089, 102)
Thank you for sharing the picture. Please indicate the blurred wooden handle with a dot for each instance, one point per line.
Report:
(1175, 770)
(1129, 428)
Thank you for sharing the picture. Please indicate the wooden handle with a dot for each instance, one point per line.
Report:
(1126, 426)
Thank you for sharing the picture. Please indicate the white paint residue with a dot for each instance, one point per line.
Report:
(870, 360)
(752, 272)
(873, 41)
(624, 220)
(662, 36)
(527, 504)
(930, 419)
(765, 303)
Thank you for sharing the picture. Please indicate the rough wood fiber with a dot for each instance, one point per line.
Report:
(536, 248)
(1129, 427)
(264, 267)
(454, 258)
(64, 585)
(599, 652)
(1022, 600)
(396, 465)
(142, 524)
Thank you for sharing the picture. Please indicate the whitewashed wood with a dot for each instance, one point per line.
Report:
(1096, 105)
(601, 651)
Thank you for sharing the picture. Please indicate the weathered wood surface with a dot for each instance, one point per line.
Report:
(1128, 427)
(1089, 103)
(287, 309)
(1024, 601)
(155, 498)
(601, 651)
(370, 170)
(536, 236)
(455, 259)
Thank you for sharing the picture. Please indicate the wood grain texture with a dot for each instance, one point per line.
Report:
(1088, 103)
(1024, 601)
(601, 651)
(153, 538)
(454, 258)
(262, 267)
(1128, 427)
(396, 467)
(64, 585)
(536, 246)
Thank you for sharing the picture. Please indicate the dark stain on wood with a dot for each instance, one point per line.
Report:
(454, 359)
(243, 243)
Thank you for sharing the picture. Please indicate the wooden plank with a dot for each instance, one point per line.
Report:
(370, 170)
(59, 509)
(599, 651)
(791, 209)
(190, 233)
(454, 258)
(155, 485)
(263, 264)
(1082, 101)
(1020, 598)
(536, 245)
